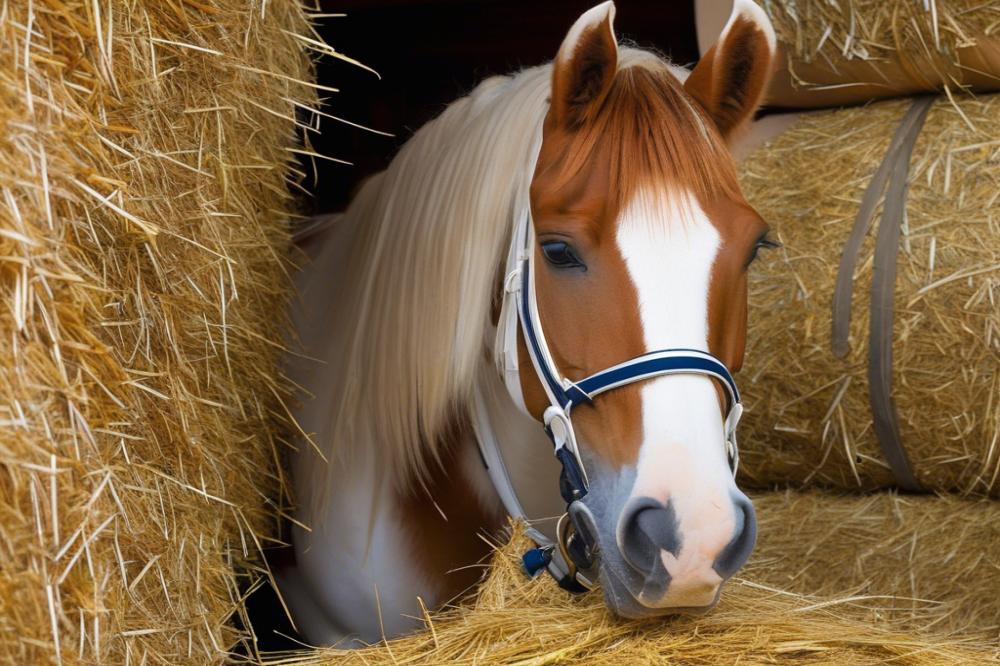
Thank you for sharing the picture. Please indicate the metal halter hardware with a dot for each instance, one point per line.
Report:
(574, 555)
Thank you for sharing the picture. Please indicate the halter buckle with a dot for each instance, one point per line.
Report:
(732, 450)
(512, 282)
(560, 430)
(733, 453)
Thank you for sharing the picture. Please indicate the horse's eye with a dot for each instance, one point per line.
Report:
(561, 255)
(763, 242)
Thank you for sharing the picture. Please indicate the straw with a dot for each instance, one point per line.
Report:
(924, 42)
(144, 243)
(514, 620)
(924, 564)
(808, 418)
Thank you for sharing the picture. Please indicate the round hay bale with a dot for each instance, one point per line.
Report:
(143, 256)
(760, 618)
(835, 53)
(809, 420)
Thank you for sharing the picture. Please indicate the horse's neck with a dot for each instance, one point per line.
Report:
(444, 516)
(526, 451)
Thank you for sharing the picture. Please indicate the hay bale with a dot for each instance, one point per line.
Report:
(809, 419)
(836, 52)
(515, 620)
(143, 245)
(923, 563)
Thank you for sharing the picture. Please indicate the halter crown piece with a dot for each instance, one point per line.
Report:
(571, 559)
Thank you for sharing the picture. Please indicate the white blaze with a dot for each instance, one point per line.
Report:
(669, 246)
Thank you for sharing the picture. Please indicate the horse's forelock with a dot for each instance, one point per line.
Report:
(655, 136)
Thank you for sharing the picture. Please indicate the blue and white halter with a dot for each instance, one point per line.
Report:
(571, 558)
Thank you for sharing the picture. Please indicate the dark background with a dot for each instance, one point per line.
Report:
(428, 53)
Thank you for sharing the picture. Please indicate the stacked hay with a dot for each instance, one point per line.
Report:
(926, 564)
(144, 173)
(843, 52)
(514, 620)
(809, 419)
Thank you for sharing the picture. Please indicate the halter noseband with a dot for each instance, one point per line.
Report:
(573, 554)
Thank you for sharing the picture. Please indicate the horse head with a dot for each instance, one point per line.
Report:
(642, 242)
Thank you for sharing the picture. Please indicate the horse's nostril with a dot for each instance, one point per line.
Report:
(738, 550)
(649, 527)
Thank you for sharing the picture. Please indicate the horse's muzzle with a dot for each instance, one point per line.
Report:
(653, 568)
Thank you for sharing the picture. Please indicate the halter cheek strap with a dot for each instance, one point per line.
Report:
(519, 310)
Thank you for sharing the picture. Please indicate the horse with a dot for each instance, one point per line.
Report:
(613, 167)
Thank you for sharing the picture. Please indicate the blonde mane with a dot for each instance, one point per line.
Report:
(421, 263)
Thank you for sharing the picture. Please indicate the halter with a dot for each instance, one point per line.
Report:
(571, 559)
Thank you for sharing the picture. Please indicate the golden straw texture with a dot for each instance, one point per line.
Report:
(924, 44)
(920, 33)
(926, 563)
(513, 620)
(834, 53)
(144, 206)
(808, 419)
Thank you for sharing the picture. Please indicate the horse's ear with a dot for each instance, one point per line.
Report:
(584, 67)
(731, 78)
